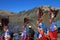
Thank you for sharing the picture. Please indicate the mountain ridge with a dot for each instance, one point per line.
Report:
(18, 18)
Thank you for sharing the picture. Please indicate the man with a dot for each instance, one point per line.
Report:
(7, 34)
(53, 30)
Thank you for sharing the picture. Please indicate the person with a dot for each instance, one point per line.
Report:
(7, 33)
(31, 33)
(53, 30)
(42, 30)
(41, 36)
(42, 25)
(24, 33)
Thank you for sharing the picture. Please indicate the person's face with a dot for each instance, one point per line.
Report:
(5, 28)
(41, 31)
(23, 26)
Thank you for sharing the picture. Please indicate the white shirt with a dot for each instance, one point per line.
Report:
(40, 36)
(6, 35)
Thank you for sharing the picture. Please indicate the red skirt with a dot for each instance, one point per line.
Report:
(2, 38)
(22, 38)
(27, 37)
(43, 38)
(53, 35)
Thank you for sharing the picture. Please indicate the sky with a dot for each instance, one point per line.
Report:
(21, 5)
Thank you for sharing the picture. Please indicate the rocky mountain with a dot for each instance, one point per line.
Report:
(18, 18)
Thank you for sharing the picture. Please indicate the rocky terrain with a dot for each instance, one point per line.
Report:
(17, 19)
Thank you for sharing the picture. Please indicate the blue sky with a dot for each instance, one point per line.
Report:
(20, 5)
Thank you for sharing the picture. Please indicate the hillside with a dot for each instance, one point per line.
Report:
(18, 18)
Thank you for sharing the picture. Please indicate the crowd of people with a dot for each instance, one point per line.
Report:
(41, 32)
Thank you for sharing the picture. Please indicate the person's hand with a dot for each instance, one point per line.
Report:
(55, 28)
